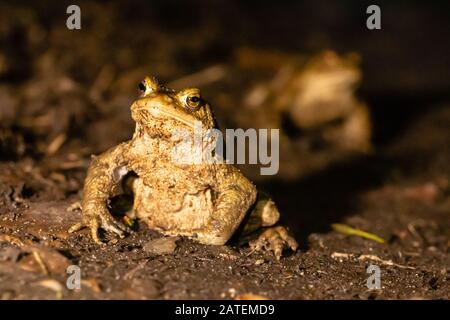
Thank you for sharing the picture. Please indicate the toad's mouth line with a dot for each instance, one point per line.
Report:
(183, 118)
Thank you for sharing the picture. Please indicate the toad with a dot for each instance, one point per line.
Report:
(313, 101)
(208, 202)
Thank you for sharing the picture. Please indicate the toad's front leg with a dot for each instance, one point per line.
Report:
(104, 174)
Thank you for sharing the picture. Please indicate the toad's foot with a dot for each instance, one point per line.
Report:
(74, 207)
(102, 220)
(274, 239)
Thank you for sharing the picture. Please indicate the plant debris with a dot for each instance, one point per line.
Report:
(349, 231)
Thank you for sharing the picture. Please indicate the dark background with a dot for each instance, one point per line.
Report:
(49, 85)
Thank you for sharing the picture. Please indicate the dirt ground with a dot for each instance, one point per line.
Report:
(65, 95)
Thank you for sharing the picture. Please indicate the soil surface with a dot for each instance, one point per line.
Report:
(65, 95)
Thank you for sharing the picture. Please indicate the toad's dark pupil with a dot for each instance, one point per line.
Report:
(194, 99)
(141, 86)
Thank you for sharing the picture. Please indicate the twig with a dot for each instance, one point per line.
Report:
(202, 77)
(41, 264)
(11, 239)
(338, 255)
(27, 248)
(131, 273)
(56, 144)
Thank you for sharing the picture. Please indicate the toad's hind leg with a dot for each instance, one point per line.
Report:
(274, 239)
(263, 214)
(271, 237)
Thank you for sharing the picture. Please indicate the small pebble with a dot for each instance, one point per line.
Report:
(161, 246)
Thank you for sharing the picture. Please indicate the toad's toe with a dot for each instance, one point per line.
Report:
(102, 220)
(274, 239)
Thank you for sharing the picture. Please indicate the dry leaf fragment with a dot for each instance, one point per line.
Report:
(347, 230)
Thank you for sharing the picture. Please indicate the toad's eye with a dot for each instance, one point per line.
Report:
(193, 102)
(141, 86)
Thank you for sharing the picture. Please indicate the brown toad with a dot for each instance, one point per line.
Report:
(313, 101)
(203, 201)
